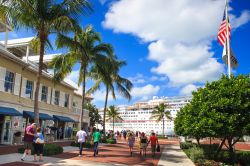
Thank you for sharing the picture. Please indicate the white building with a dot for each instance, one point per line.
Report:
(137, 117)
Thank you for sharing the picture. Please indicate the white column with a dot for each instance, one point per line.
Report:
(6, 37)
(27, 53)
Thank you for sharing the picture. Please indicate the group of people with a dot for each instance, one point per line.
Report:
(143, 142)
(94, 136)
(33, 137)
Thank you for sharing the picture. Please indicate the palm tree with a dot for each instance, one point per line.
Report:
(160, 113)
(110, 78)
(44, 17)
(113, 114)
(85, 49)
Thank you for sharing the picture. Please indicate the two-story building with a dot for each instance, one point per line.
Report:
(59, 104)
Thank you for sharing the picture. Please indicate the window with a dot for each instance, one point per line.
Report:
(9, 82)
(44, 96)
(66, 101)
(57, 97)
(29, 89)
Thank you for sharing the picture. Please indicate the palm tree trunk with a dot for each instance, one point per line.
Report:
(39, 74)
(163, 122)
(113, 125)
(104, 111)
(83, 95)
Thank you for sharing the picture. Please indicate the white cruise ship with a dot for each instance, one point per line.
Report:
(136, 117)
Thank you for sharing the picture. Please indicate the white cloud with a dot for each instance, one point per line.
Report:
(74, 75)
(138, 79)
(184, 64)
(188, 89)
(103, 1)
(144, 92)
(243, 19)
(180, 34)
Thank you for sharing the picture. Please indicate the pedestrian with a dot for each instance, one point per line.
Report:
(38, 145)
(96, 139)
(81, 138)
(131, 142)
(124, 135)
(29, 133)
(154, 141)
(143, 144)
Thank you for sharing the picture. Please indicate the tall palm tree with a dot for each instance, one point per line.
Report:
(110, 78)
(85, 49)
(160, 114)
(44, 17)
(113, 114)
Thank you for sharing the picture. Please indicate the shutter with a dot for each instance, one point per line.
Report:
(17, 84)
(34, 90)
(2, 78)
(62, 99)
(53, 97)
(24, 82)
(49, 95)
(40, 92)
(70, 98)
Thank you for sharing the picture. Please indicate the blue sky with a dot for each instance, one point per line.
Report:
(170, 46)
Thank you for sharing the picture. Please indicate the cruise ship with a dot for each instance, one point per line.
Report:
(137, 117)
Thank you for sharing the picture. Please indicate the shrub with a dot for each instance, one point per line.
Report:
(111, 141)
(196, 154)
(85, 145)
(48, 150)
(187, 145)
(243, 157)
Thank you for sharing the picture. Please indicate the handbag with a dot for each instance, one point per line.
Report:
(39, 141)
(158, 149)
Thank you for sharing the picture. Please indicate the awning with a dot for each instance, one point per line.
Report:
(42, 116)
(9, 111)
(62, 118)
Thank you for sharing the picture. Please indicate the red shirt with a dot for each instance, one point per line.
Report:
(27, 137)
(153, 140)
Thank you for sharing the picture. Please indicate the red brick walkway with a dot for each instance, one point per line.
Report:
(117, 153)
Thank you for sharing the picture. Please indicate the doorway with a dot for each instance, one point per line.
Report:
(1, 127)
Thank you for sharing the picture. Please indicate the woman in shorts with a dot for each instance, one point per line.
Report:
(38, 145)
(131, 142)
(143, 144)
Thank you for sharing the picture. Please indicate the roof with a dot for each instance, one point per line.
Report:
(46, 59)
(19, 46)
(31, 66)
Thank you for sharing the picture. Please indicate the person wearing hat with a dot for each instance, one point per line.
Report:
(29, 134)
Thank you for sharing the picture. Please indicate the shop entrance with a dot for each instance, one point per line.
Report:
(60, 130)
(1, 127)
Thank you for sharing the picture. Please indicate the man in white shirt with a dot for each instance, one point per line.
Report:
(81, 137)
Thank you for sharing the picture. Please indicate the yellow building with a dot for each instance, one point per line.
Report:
(59, 104)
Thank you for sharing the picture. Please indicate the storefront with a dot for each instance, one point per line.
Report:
(64, 126)
(9, 124)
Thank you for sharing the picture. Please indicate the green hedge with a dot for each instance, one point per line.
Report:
(48, 150)
(204, 155)
(187, 145)
(85, 145)
(111, 141)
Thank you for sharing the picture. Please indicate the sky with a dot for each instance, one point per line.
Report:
(170, 46)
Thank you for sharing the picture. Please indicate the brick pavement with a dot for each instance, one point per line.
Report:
(117, 153)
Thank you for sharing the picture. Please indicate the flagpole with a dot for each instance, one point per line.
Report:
(228, 43)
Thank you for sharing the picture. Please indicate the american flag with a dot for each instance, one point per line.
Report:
(222, 34)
